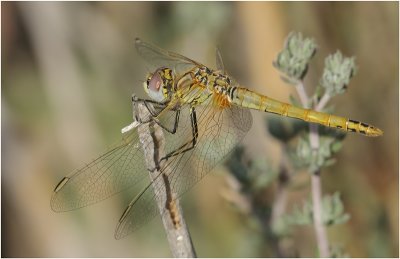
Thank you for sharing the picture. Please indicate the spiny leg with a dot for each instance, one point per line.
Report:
(160, 105)
(193, 141)
(154, 114)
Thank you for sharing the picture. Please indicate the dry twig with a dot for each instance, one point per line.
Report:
(152, 138)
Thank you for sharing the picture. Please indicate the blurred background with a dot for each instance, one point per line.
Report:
(68, 73)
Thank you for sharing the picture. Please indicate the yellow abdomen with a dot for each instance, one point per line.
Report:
(248, 99)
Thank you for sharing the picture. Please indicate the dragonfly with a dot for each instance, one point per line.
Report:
(204, 114)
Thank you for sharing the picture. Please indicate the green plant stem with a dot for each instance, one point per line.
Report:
(280, 202)
(322, 103)
(316, 190)
(302, 94)
(319, 227)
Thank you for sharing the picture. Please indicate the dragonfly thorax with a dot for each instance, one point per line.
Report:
(159, 84)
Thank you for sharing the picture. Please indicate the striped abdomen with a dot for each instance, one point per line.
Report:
(248, 99)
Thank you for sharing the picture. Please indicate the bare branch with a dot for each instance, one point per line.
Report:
(171, 213)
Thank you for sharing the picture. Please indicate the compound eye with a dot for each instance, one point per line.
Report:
(154, 83)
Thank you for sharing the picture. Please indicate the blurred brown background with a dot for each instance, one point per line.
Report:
(68, 72)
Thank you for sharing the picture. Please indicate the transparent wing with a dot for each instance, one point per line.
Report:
(119, 168)
(219, 132)
(220, 67)
(158, 57)
(218, 61)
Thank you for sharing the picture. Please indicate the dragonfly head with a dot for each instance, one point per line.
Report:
(159, 84)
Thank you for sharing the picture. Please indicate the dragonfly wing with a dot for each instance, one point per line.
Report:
(221, 67)
(218, 61)
(119, 168)
(158, 57)
(219, 132)
(141, 210)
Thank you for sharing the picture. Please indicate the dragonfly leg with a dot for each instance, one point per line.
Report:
(154, 113)
(173, 130)
(183, 148)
